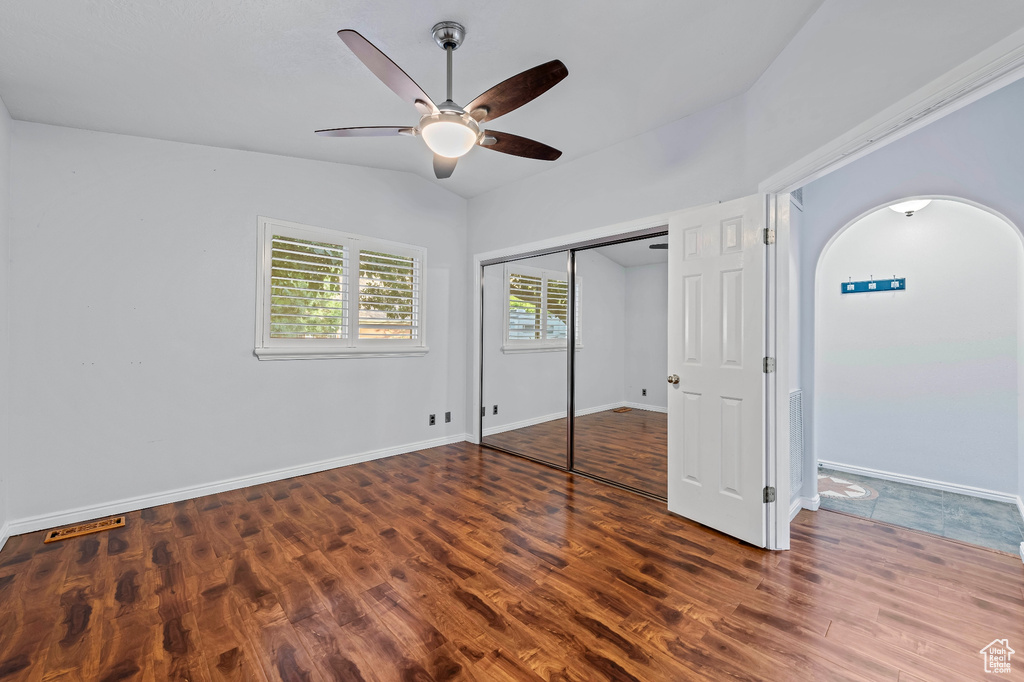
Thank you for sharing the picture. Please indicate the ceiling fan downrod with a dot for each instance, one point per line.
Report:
(449, 36)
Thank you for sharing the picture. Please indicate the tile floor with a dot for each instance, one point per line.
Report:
(982, 522)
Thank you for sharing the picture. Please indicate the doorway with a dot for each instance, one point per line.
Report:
(917, 370)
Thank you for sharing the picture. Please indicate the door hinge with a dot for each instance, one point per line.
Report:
(769, 365)
(769, 236)
(483, 411)
(769, 494)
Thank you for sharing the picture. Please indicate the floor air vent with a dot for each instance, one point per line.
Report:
(84, 529)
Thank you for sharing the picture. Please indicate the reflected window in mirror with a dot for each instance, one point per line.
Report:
(537, 309)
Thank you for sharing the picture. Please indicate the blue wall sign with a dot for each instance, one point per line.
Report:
(874, 285)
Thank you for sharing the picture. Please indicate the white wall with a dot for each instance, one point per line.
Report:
(5, 297)
(647, 335)
(132, 299)
(922, 382)
(972, 153)
(600, 363)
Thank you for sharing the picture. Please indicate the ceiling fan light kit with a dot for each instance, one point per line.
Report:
(448, 130)
(449, 133)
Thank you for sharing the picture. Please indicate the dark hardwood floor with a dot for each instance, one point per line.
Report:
(461, 563)
(630, 448)
(545, 441)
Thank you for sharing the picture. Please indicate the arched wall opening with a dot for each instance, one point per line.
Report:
(923, 382)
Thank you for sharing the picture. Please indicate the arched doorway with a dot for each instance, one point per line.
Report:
(917, 387)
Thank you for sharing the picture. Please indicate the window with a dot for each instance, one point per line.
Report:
(324, 294)
(537, 310)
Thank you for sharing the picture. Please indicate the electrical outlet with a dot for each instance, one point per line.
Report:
(495, 410)
(433, 420)
(447, 417)
(643, 391)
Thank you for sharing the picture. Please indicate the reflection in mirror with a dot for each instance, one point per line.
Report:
(621, 401)
(524, 357)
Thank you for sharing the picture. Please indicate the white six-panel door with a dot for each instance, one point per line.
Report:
(716, 322)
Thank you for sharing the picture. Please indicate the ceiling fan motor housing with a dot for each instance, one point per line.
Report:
(448, 33)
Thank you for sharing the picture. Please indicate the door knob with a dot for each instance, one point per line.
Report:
(673, 379)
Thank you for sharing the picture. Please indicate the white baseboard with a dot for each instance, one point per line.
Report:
(522, 424)
(533, 421)
(810, 503)
(600, 408)
(63, 518)
(649, 408)
(926, 483)
(5, 534)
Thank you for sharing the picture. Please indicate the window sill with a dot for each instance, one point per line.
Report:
(513, 350)
(330, 353)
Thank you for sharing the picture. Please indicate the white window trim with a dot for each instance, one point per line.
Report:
(267, 348)
(510, 346)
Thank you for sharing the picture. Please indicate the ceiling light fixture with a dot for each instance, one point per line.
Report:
(909, 208)
(450, 133)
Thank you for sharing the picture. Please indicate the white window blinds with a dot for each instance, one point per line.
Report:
(329, 294)
(308, 290)
(389, 286)
(556, 297)
(525, 306)
(537, 311)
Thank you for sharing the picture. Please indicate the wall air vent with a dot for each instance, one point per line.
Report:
(796, 443)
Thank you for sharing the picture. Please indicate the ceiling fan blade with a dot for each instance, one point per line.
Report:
(516, 91)
(443, 166)
(506, 143)
(390, 73)
(366, 131)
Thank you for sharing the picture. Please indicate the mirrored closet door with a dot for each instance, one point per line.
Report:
(617, 322)
(621, 422)
(525, 317)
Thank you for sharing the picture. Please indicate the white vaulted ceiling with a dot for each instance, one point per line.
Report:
(263, 75)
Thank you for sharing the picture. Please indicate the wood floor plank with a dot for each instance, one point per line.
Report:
(461, 563)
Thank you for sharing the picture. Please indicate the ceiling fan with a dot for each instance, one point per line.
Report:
(449, 130)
